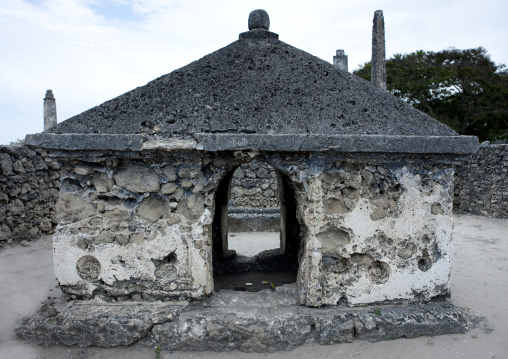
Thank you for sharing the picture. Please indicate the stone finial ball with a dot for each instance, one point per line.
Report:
(259, 19)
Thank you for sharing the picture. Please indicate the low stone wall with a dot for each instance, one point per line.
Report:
(29, 187)
(481, 183)
(251, 219)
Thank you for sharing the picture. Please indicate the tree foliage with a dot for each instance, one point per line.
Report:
(463, 89)
(17, 142)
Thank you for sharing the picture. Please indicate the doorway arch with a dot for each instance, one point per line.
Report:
(281, 263)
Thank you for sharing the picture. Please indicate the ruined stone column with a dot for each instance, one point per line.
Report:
(378, 71)
(49, 110)
(340, 60)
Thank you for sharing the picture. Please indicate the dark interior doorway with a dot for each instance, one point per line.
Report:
(267, 269)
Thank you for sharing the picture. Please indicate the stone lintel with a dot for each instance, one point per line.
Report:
(340, 143)
(81, 141)
(457, 145)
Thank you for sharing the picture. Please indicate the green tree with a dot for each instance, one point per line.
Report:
(463, 89)
(17, 142)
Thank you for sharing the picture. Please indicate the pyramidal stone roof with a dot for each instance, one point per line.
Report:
(256, 85)
(258, 93)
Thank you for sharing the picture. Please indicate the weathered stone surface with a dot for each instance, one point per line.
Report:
(341, 143)
(168, 188)
(18, 167)
(78, 142)
(332, 239)
(87, 323)
(169, 173)
(371, 245)
(102, 182)
(88, 267)
(340, 60)
(254, 184)
(226, 322)
(5, 164)
(5, 233)
(137, 179)
(190, 208)
(153, 209)
(246, 219)
(259, 19)
(118, 215)
(50, 119)
(481, 182)
(335, 206)
(28, 194)
(73, 207)
(447, 144)
(378, 70)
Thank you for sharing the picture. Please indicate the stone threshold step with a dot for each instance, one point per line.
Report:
(250, 328)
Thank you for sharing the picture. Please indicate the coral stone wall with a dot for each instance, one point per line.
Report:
(375, 232)
(134, 229)
(481, 182)
(29, 186)
(363, 230)
(254, 184)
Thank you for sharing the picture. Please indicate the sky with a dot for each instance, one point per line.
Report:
(90, 51)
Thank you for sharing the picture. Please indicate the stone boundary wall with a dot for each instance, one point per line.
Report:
(254, 185)
(29, 187)
(481, 183)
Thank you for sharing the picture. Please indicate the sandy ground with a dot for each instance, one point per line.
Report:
(480, 283)
(251, 243)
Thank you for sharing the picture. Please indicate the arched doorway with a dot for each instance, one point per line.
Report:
(270, 267)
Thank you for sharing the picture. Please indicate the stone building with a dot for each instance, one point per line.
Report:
(364, 182)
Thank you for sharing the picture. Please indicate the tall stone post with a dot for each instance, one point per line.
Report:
(340, 60)
(49, 110)
(378, 71)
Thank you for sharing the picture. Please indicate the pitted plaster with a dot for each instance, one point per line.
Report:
(403, 232)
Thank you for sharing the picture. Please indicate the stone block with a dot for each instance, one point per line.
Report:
(169, 173)
(138, 179)
(18, 167)
(152, 209)
(168, 188)
(190, 208)
(117, 215)
(72, 208)
(6, 164)
(5, 233)
(102, 182)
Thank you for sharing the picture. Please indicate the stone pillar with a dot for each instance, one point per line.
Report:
(340, 60)
(49, 110)
(378, 71)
